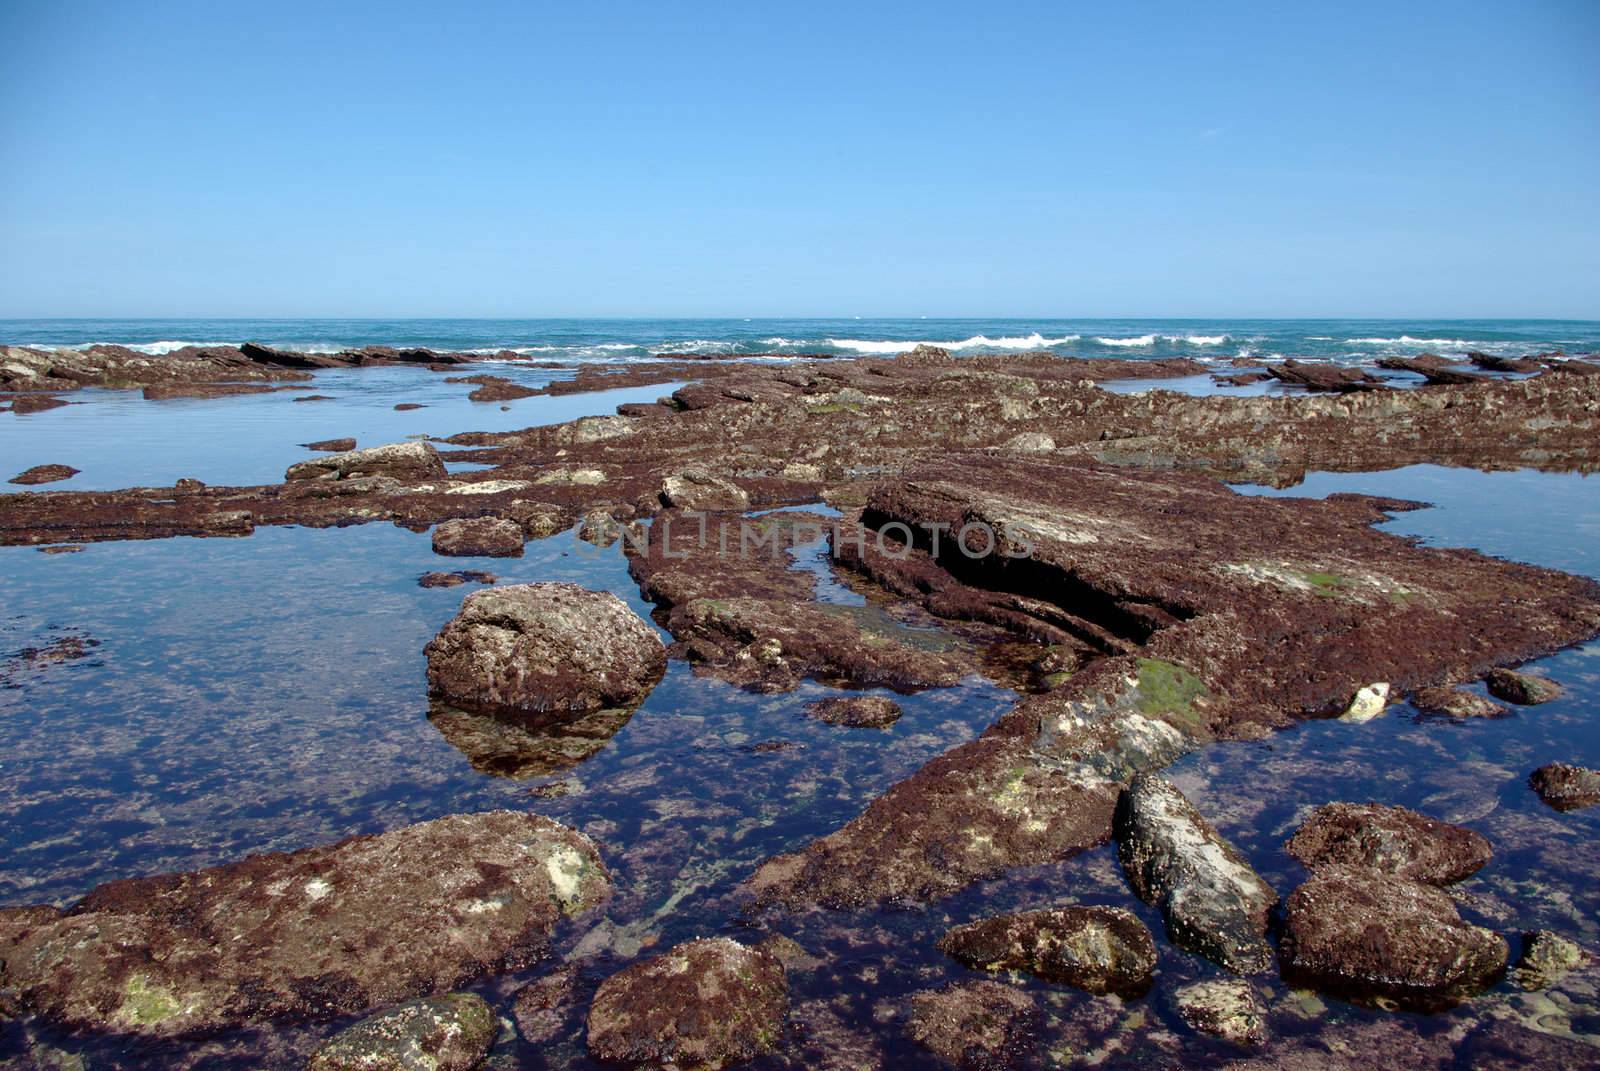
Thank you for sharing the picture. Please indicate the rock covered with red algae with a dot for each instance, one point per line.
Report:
(400, 461)
(1361, 933)
(315, 933)
(478, 537)
(979, 1025)
(44, 474)
(1566, 787)
(856, 711)
(1096, 949)
(702, 1006)
(1523, 689)
(1391, 839)
(448, 1033)
(544, 648)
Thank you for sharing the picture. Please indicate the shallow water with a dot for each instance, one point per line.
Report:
(269, 693)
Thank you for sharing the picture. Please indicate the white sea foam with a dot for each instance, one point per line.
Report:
(1020, 342)
(1407, 340)
(1151, 340)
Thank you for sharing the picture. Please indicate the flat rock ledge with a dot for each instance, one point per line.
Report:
(478, 537)
(44, 474)
(1215, 905)
(1391, 839)
(1096, 949)
(702, 1006)
(529, 649)
(1365, 935)
(448, 1033)
(399, 461)
(335, 930)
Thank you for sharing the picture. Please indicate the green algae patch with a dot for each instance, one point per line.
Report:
(145, 1004)
(1167, 688)
(1324, 583)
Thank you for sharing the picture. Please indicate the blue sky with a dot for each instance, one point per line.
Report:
(528, 159)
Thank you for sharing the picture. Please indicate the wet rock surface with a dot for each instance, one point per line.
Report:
(1213, 902)
(399, 461)
(706, 1004)
(478, 537)
(1391, 839)
(856, 712)
(455, 579)
(1523, 689)
(449, 1033)
(1226, 1008)
(980, 1025)
(44, 474)
(1455, 703)
(1096, 949)
(1362, 933)
(531, 649)
(1566, 787)
(309, 934)
(1546, 958)
(332, 446)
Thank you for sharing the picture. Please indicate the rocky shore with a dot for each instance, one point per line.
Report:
(1004, 516)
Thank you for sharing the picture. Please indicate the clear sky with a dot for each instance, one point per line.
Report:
(964, 159)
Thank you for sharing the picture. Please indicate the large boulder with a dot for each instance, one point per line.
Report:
(327, 931)
(1358, 932)
(537, 648)
(1214, 904)
(704, 1005)
(1098, 949)
(448, 1033)
(478, 537)
(400, 461)
(1523, 689)
(1391, 839)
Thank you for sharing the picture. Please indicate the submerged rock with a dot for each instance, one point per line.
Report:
(448, 1033)
(1546, 959)
(1523, 689)
(537, 648)
(1214, 903)
(704, 1005)
(856, 711)
(455, 579)
(400, 461)
(1227, 1008)
(1391, 839)
(1445, 702)
(478, 537)
(44, 474)
(1359, 932)
(1097, 949)
(1566, 787)
(523, 747)
(321, 932)
(544, 1006)
(974, 1024)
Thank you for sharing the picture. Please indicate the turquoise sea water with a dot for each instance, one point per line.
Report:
(632, 339)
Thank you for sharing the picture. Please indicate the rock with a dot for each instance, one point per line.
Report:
(1445, 702)
(450, 580)
(856, 711)
(1227, 1008)
(495, 388)
(1491, 363)
(1097, 949)
(1029, 442)
(974, 1024)
(536, 648)
(539, 520)
(1241, 379)
(1523, 689)
(312, 398)
(271, 355)
(544, 1006)
(448, 1033)
(35, 403)
(1359, 932)
(1391, 839)
(1546, 958)
(188, 485)
(1435, 370)
(45, 474)
(1324, 377)
(406, 407)
(337, 446)
(478, 537)
(1503, 1045)
(699, 491)
(599, 527)
(328, 931)
(1368, 703)
(704, 1005)
(1215, 905)
(400, 461)
(1566, 787)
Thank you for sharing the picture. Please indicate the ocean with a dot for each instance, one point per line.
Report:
(573, 340)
